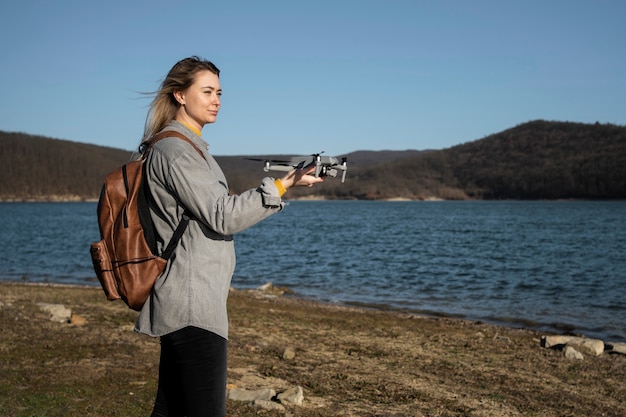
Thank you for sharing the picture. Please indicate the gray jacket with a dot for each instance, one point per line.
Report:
(193, 289)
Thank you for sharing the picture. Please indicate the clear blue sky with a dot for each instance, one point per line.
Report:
(318, 75)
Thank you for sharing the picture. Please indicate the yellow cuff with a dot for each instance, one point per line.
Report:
(280, 186)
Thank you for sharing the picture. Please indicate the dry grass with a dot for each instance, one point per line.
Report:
(350, 362)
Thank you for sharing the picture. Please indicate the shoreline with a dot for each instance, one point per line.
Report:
(516, 323)
(553, 328)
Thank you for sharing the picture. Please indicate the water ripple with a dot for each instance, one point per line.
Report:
(553, 266)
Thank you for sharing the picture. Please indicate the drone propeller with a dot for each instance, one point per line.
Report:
(280, 161)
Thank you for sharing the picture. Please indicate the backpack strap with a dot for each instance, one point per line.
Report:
(146, 146)
(178, 233)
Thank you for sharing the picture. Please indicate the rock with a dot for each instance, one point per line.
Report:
(271, 290)
(555, 341)
(590, 346)
(289, 353)
(241, 394)
(293, 395)
(58, 312)
(573, 354)
(617, 348)
(77, 320)
(269, 405)
(267, 287)
(266, 398)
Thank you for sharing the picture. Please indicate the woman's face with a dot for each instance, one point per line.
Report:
(200, 103)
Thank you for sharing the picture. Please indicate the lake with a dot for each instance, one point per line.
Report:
(545, 265)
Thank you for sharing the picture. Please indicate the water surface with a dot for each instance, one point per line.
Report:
(553, 266)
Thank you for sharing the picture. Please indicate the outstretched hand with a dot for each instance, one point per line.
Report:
(302, 177)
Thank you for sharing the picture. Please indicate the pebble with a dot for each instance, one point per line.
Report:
(58, 312)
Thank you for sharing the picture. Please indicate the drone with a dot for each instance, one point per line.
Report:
(325, 166)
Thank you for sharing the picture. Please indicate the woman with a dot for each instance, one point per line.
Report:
(187, 307)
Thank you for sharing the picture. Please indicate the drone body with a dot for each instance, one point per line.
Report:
(325, 166)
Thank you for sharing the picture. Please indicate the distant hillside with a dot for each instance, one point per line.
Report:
(535, 160)
(40, 168)
(544, 160)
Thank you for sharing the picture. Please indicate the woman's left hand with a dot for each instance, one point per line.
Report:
(303, 177)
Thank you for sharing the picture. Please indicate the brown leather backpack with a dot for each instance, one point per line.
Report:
(126, 261)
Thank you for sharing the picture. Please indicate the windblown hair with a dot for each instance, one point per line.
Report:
(164, 106)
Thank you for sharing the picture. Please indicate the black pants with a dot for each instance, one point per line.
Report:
(192, 375)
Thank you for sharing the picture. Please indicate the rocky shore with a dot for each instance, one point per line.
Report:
(67, 351)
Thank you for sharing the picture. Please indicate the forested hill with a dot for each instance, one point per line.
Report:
(40, 168)
(535, 160)
(543, 160)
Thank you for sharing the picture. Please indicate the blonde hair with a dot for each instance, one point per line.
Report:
(164, 106)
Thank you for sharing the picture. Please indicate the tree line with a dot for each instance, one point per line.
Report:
(535, 160)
